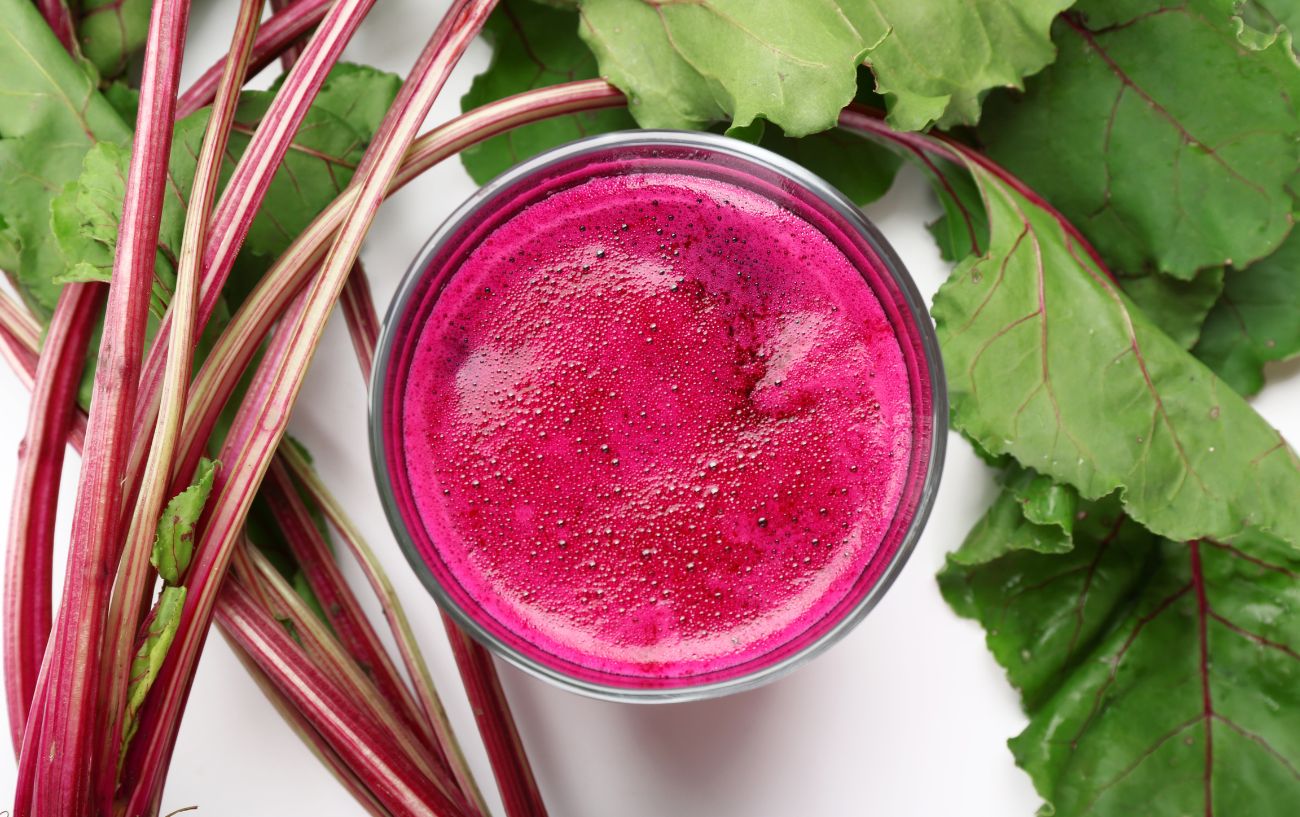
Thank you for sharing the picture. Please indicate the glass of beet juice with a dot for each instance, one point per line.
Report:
(658, 416)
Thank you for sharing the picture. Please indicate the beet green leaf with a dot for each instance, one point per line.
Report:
(792, 62)
(1048, 360)
(1191, 705)
(174, 544)
(1158, 134)
(1042, 610)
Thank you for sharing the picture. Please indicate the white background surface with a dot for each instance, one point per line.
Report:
(907, 717)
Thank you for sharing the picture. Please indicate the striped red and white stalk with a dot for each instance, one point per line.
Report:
(281, 31)
(29, 556)
(246, 458)
(389, 776)
(342, 610)
(324, 651)
(135, 570)
(398, 622)
(58, 764)
(246, 189)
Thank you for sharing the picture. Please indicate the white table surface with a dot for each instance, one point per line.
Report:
(906, 717)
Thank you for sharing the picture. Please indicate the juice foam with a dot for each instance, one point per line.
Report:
(656, 425)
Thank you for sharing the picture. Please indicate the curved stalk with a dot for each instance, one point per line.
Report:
(328, 655)
(29, 562)
(341, 608)
(398, 623)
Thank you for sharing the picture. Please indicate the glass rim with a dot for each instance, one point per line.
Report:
(790, 171)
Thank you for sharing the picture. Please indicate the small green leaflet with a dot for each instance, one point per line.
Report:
(535, 46)
(42, 142)
(174, 544)
(160, 630)
(1155, 132)
(1256, 321)
(1191, 705)
(792, 62)
(1044, 610)
(111, 32)
(1048, 361)
(1177, 307)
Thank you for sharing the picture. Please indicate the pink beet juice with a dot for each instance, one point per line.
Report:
(654, 420)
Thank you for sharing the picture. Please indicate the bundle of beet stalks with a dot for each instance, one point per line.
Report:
(192, 506)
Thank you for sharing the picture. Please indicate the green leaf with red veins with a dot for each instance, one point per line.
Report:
(1043, 611)
(1256, 321)
(1048, 361)
(792, 62)
(42, 142)
(1191, 705)
(1124, 133)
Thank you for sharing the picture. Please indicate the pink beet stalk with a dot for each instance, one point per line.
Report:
(246, 460)
(363, 746)
(362, 320)
(247, 187)
(398, 623)
(29, 562)
(496, 725)
(135, 571)
(301, 725)
(279, 32)
(290, 54)
(18, 322)
(341, 608)
(60, 762)
(328, 655)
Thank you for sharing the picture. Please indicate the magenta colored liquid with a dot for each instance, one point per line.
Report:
(656, 428)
